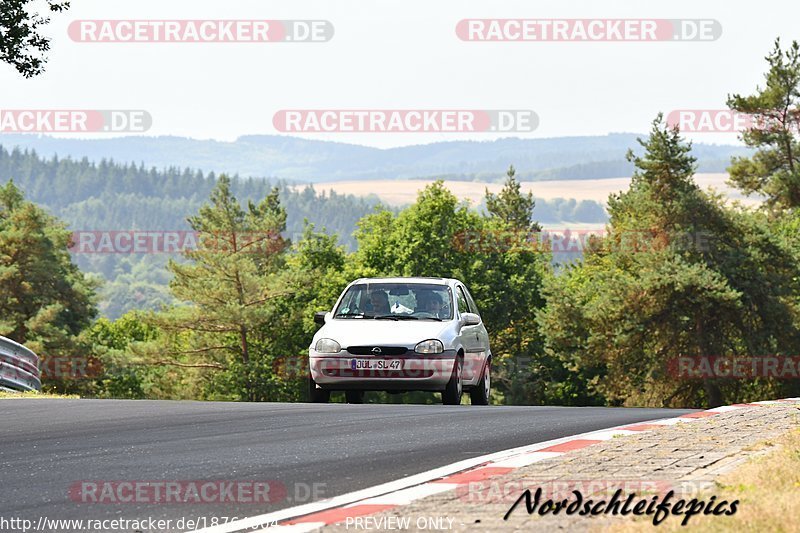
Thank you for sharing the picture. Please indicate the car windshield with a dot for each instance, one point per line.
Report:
(398, 301)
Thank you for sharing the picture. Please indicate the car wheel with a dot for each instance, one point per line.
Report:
(452, 394)
(354, 396)
(317, 395)
(480, 394)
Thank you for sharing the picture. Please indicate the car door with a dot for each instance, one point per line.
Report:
(483, 334)
(470, 338)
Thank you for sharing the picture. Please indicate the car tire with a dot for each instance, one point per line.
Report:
(316, 395)
(480, 394)
(354, 396)
(452, 393)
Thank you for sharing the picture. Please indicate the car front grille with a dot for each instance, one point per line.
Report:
(384, 350)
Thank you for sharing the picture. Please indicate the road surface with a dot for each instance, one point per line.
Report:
(305, 451)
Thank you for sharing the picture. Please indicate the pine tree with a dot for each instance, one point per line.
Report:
(678, 274)
(229, 280)
(774, 170)
(45, 301)
(511, 206)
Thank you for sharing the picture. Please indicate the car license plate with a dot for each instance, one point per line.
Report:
(376, 364)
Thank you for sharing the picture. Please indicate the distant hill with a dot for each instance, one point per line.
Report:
(304, 160)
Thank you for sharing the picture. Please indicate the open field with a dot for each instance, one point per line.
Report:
(401, 192)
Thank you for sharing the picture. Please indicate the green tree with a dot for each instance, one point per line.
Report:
(322, 269)
(678, 274)
(122, 373)
(507, 277)
(511, 206)
(21, 42)
(45, 301)
(422, 240)
(774, 169)
(229, 282)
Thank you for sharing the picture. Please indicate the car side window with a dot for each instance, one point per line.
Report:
(472, 307)
(463, 306)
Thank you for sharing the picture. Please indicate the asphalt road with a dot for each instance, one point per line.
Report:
(310, 451)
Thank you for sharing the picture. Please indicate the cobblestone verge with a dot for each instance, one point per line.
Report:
(685, 457)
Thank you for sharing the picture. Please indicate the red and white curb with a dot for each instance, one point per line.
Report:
(312, 516)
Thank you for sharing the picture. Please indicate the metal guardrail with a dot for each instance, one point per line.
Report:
(19, 367)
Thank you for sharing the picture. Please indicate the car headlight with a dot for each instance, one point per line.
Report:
(327, 346)
(429, 346)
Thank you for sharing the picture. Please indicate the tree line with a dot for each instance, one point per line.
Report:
(112, 196)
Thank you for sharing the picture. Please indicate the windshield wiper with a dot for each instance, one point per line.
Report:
(436, 318)
(396, 317)
(361, 315)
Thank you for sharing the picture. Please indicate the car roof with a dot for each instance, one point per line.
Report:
(416, 279)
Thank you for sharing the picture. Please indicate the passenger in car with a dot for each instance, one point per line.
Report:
(380, 303)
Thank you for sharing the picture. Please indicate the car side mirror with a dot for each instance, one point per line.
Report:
(470, 319)
(320, 317)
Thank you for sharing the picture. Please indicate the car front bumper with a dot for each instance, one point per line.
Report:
(425, 372)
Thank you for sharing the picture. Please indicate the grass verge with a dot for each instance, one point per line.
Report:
(36, 395)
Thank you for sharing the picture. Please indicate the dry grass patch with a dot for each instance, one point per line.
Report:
(36, 395)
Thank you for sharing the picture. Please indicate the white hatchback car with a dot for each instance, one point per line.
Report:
(401, 334)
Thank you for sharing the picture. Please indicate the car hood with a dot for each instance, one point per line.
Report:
(361, 332)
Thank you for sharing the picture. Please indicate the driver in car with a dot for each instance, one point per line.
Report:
(429, 302)
(423, 302)
(435, 305)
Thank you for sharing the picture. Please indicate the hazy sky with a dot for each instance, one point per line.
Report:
(405, 54)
